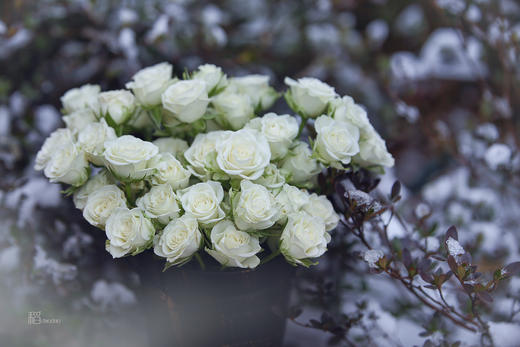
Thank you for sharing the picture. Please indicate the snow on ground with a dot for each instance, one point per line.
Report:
(111, 295)
(444, 55)
(36, 192)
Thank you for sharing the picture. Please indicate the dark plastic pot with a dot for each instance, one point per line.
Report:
(191, 307)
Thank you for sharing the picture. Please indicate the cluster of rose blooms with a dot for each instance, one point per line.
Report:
(186, 166)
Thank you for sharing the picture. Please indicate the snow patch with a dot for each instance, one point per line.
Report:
(497, 155)
(454, 247)
(59, 272)
(9, 258)
(504, 334)
(111, 295)
(46, 118)
(372, 256)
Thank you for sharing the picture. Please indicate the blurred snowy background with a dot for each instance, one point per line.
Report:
(441, 82)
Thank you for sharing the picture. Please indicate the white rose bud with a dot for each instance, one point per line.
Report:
(290, 199)
(92, 140)
(372, 150)
(299, 166)
(127, 157)
(233, 110)
(186, 100)
(59, 138)
(254, 207)
(303, 237)
(202, 152)
(177, 147)
(202, 200)
(320, 206)
(118, 104)
(279, 131)
(336, 141)
(168, 170)
(309, 96)
(179, 240)
(128, 232)
(78, 120)
(243, 154)
(149, 84)
(160, 203)
(80, 98)
(213, 76)
(272, 178)
(101, 203)
(95, 182)
(257, 87)
(232, 247)
(68, 165)
(346, 110)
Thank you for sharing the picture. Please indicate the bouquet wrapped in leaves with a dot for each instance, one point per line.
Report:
(197, 164)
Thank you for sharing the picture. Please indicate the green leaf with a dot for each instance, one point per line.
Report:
(186, 75)
(396, 190)
(264, 233)
(155, 115)
(452, 232)
(511, 269)
(70, 190)
(167, 265)
(112, 123)
(216, 89)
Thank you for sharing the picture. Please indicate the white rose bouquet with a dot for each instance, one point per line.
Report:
(179, 167)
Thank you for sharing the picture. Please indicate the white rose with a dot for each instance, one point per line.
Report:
(92, 140)
(59, 138)
(94, 183)
(179, 240)
(80, 98)
(78, 120)
(254, 207)
(202, 152)
(202, 200)
(232, 247)
(346, 110)
(160, 202)
(299, 166)
(320, 206)
(257, 87)
(272, 178)
(233, 110)
(303, 237)
(177, 147)
(372, 150)
(167, 169)
(309, 96)
(186, 100)
(149, 83)
(128, 232)
(290, 199)
(118, 104)
(278, 130)
(101, 203)
(336, 141)
(243, 154)
(213, 76)
(68, 165)
(127, 156)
